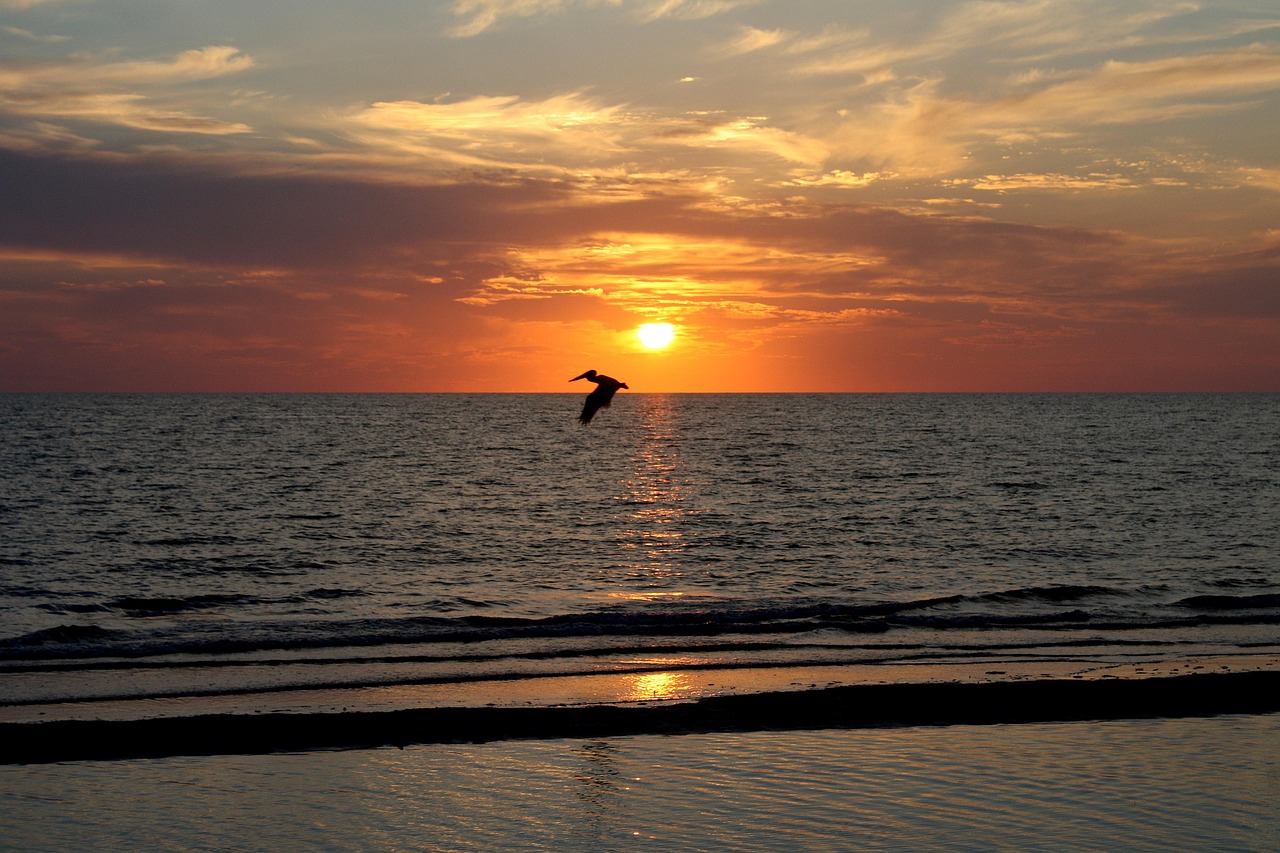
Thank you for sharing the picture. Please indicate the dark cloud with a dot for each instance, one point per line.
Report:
(161, 208)
(155, 207)
(1250, 291)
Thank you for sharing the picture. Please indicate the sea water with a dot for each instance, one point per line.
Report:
(222, 545)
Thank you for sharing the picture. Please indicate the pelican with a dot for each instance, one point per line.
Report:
(606, 387)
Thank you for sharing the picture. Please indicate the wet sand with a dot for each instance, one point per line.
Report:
(1190, 784)
(977, 698)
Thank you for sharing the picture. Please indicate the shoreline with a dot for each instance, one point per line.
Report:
(851, 706)
(663, 679)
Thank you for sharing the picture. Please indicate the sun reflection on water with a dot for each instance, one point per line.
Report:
(655, 686)
(654, 492)
(646, 595)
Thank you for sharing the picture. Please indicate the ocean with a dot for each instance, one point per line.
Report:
(251, 552)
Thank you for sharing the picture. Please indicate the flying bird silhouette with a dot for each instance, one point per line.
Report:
(606, 387)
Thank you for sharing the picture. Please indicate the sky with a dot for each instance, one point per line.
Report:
(493, 195)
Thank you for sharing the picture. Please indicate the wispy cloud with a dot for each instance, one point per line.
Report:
(28, 35)
(923, 130)
(496, 131)
(199, 64)
(998, 33)
(481, 15)
(687, 10)
(567, 134)
(751, 39)
(747, 134)
(837, 178)
(83, 89)
(1092, 180)
(1155, 90)
(125, 110)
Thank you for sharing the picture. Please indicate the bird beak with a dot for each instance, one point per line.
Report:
(580, 376)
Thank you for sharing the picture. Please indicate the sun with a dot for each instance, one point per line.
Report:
(656, 335)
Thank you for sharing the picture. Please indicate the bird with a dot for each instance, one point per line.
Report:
(606, 387)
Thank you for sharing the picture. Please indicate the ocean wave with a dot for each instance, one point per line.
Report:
(1051, 594)
(165, 606)
(73, 608)
(185, 541)
(1232, 602)
(63, 635)
(325, 593)
(156, 606)
(1017, 484)
(204, 631)
(998, 621)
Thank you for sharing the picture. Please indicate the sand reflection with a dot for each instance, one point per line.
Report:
(597, 789)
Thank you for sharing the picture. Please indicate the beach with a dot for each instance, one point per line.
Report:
(496, 711)
(1190, 784)
(1179, 756)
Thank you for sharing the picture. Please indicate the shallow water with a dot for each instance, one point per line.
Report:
(171, 545)
(1173, 785)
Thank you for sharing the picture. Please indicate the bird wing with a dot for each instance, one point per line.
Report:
(596, 400)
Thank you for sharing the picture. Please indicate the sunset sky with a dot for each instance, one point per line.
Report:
(492, 195)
